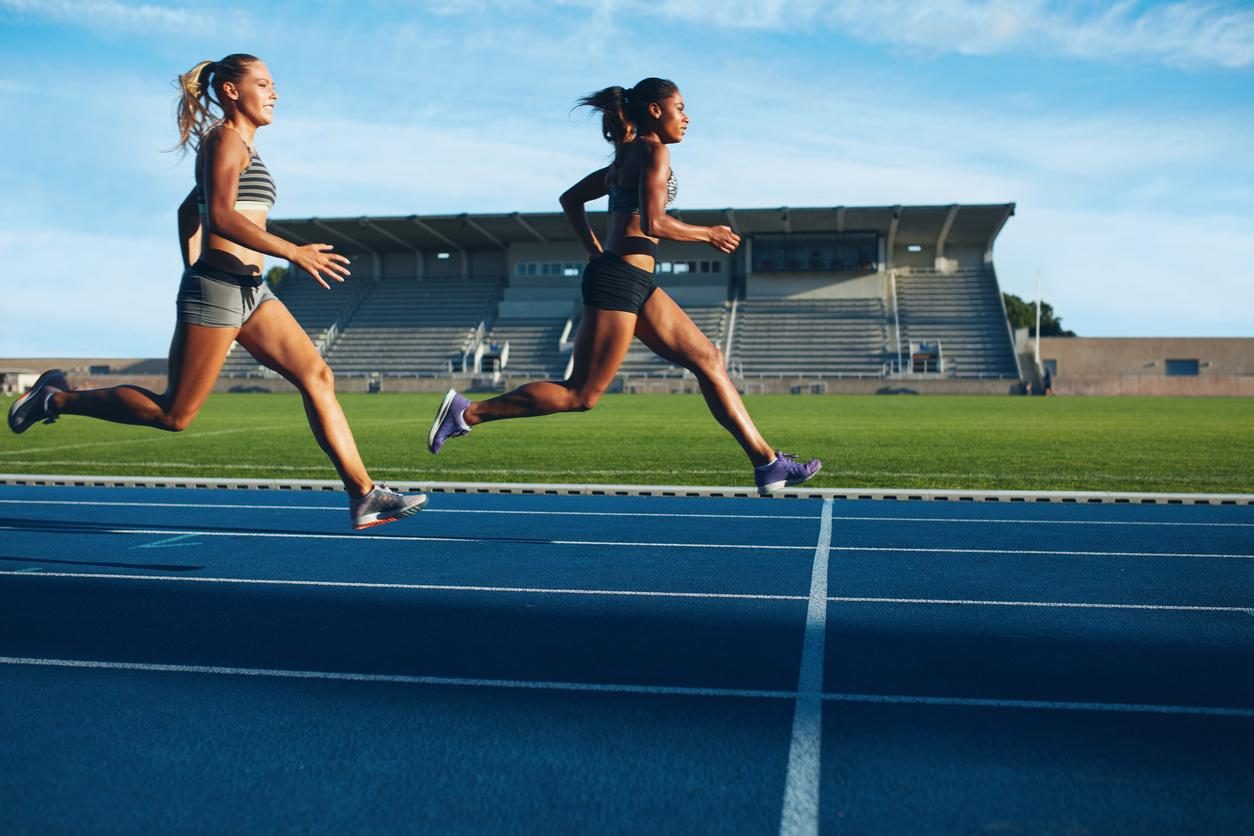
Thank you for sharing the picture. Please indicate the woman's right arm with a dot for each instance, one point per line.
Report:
(227, 157)
(654, 221)
(574, 202)
(189, 229)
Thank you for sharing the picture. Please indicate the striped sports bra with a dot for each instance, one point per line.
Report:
(256, 187)
(625, 199)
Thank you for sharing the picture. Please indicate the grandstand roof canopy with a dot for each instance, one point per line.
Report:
(958, 223)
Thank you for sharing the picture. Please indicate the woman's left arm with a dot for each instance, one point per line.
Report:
(573, 202)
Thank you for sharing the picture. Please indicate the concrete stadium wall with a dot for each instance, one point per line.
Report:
(809, 286)
(536, 309)
(1137, 365)
(966, 257)
(697, 294)
(925, 258)
(488, 263)
(1214, 385)
(536, 251)
(401, 265)
(635, 385)
(435, 267)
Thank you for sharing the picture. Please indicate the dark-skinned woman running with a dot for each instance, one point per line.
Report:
(621, 300)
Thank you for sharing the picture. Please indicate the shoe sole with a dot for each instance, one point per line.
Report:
(400, 515)
(774, 486)
(40, 382)
(440, 415)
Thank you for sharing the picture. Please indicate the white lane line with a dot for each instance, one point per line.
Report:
(962, 602)
(422, 587)
(405, 679)
(618, 688)
(340, 509)
(538, 590)
(149, 439)
(801, 787)
(1046, 552)
(739, 546)
(400, 473)
(835, 517)
(398, 538)
(1049, 705)
(1029, 521)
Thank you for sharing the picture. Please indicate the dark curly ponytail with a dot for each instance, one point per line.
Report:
(623, 109)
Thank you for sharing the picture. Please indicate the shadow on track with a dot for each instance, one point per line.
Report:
(161, 567)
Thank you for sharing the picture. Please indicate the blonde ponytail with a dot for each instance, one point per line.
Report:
(198, 107)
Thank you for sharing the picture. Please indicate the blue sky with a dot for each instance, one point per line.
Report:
(1122, 130)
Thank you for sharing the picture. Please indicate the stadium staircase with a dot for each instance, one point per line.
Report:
(963, 312)
(810, 337)
(532, 317)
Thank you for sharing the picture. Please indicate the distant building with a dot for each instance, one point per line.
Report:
(1149, 365)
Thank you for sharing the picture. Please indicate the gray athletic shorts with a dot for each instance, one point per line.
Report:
(213, 297)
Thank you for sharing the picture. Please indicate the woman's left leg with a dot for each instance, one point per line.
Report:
(274, 337)
(671, 334)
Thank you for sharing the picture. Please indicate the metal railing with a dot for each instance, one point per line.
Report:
(892, 286)
(472, 352)
(731, 333)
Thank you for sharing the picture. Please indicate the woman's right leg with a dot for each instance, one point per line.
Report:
(600, 345)
(196, 356)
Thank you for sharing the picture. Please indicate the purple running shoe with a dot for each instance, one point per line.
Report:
(448, 421)
(784, 472)
(31, 408)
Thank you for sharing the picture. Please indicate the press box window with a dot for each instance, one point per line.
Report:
(1182, 368)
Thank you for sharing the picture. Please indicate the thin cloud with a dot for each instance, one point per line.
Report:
(111, 15)
(1191, 33)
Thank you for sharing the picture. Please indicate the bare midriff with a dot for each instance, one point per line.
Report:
(226, 255)
(624, 225)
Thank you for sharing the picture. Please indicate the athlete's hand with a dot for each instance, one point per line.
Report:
(722, 238)
(317, 260)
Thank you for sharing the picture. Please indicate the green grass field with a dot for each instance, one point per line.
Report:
(1112, 444)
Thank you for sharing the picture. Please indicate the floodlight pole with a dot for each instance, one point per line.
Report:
(1037, 342)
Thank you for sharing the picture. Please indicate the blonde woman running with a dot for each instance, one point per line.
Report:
(222, 297)
(620, 298)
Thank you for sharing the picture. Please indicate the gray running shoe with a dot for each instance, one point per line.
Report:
(383, 505)
(448, 421)
(32, 407)
(784, 472)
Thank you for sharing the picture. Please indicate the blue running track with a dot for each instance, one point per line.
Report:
(240, 661)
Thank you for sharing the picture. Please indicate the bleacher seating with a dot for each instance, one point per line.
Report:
(963, 312)
(810, 337)
(410, 326)
(316, 308)
(531, 317)
(640, 361)
(534, 347)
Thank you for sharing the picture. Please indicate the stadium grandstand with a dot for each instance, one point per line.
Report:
(815, 300)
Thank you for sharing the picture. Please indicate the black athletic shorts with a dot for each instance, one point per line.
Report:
(611, 284)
